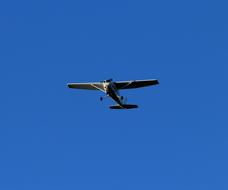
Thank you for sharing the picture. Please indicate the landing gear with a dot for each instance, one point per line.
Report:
(103, 97)
(122, 97)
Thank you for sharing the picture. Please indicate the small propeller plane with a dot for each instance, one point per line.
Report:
(111, 89)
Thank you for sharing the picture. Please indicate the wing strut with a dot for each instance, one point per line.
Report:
(97, 88)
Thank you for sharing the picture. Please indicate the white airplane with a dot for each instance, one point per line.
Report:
(111, 89)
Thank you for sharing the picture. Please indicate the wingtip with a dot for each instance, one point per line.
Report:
(69, 85)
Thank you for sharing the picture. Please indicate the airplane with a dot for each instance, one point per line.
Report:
(111, 89)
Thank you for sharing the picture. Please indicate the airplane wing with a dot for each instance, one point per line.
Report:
(135, 84)
(87, 86)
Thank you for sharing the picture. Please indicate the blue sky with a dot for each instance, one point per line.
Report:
(52, 137)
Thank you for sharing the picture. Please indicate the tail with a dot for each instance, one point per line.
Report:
(124, 106)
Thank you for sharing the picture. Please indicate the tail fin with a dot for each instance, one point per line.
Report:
(124, 106)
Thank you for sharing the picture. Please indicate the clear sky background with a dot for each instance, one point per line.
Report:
(52, 137)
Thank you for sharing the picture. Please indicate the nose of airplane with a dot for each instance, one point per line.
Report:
(109, 80)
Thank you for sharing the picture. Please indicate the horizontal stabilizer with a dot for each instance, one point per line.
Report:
(124, 106)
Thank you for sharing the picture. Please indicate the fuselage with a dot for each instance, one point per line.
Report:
(112, 92)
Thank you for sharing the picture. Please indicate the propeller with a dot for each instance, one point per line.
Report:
(109, 80)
